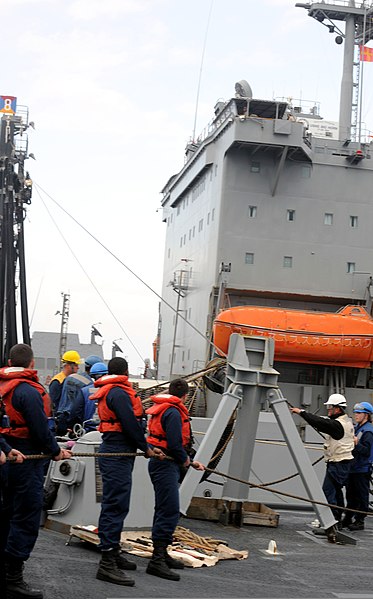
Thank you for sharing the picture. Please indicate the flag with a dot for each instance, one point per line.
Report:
(8, 104)
(366, 54)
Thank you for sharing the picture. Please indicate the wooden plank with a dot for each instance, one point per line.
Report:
(205, 508)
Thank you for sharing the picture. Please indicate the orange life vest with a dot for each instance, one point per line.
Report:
(10, 378)
(108, 419)
(157, 434)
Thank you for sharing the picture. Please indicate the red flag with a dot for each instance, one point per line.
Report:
(366, 54)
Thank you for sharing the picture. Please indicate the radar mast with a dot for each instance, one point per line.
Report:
(358, 30)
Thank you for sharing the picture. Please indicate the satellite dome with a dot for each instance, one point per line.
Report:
(243, 89)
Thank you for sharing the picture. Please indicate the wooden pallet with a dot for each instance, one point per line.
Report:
(248, 512)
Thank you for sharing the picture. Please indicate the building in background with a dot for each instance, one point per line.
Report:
(45, 345)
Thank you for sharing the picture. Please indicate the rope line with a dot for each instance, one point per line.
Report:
(212, 471)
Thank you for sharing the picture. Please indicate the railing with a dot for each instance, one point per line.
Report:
(347, 3)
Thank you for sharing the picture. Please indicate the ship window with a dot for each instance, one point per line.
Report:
(288, 262)
(181, 242)
(178, 210)
(183, 356)
(213, 214)
(39, 363)
(249, 258)
(255, 167)
(184, 239)
(189, 315)
(290, 215)
(190, 234)
(216, 169)
(328, 218)
(172, 216)
(353, 221)
(252, 211)
(306, 172)
(208, 218)
(169, 252)
(194, 231)
(351, 266)
(200, 225)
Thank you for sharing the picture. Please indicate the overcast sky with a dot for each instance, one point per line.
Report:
(111, 86)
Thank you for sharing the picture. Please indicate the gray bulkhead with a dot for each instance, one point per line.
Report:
(289, 212)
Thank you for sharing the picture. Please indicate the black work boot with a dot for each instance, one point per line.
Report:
(357, 525)
(345, 522)
(175, 564)
(16, 587)
(109, 571)
(122, 562)
(158, 566)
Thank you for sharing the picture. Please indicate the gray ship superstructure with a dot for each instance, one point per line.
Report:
(272, 208)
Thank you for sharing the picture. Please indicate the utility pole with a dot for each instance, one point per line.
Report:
(64, 323)
(180, 286)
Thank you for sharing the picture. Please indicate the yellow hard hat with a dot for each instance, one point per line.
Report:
(71, 356)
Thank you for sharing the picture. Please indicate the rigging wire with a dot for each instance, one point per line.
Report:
(126, 267)
(88, 277)
(200, 70)
(36, 300)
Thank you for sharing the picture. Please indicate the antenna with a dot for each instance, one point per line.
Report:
(200, 70)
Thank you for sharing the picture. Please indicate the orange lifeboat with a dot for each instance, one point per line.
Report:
(155, 345)
(344, 338)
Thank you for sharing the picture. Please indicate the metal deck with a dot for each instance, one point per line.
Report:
(307, 566)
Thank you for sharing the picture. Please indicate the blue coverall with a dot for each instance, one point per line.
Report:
(71, 405)
(23, 493)
(165, 476)
(116, 472)
(357, 489)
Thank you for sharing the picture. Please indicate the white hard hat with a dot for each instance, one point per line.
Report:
(336, 399)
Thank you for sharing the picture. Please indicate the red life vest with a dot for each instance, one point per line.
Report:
(157, 434)
(10, 378)
(108, 419)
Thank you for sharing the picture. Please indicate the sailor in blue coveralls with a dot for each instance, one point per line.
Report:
(169, 431)
(357, 489)
(27, 407)
(120, 412)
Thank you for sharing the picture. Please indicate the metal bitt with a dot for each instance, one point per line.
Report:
(250, 381)
(249, 377)
(306, 471)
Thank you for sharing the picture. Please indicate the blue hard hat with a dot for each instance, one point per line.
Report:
(92, 360)
(99, 368)
(363, 408)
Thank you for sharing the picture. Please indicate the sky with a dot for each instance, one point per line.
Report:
(112, 89)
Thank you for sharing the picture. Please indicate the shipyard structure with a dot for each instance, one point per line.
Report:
(272, 208)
